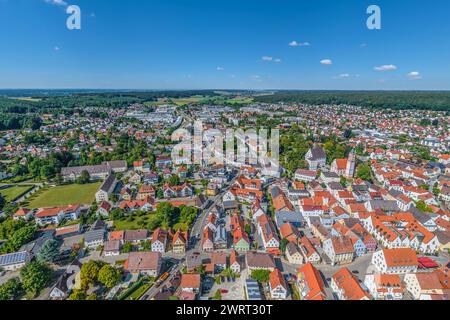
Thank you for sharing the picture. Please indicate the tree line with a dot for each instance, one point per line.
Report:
(396, 100)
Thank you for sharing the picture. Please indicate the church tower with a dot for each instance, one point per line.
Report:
(351, 164)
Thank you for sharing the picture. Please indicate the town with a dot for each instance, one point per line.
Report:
(95, 207)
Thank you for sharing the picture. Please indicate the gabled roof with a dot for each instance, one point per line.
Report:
(347, 282)
(313, 281)
(400, 257)
(190, 281)
(276, 279)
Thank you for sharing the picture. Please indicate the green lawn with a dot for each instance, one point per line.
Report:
(133, 222)
(14, 192)
(64, 195)
(136, 295)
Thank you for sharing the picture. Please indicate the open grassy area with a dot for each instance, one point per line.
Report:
(14, 192)
(185, 101)
(64, 195)
(134, 222)
(27, 99)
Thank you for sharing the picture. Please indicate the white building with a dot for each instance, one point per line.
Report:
(14, 261)
(423, 285)
(384, 286)
(395, 261)
(278, 287)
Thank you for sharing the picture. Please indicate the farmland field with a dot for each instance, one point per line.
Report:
(14, 192)
(64, 195)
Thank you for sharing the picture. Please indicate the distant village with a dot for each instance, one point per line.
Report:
(95, 205)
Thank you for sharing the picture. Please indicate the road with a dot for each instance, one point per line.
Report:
(155, 289)
(200, 222)
(197, 228)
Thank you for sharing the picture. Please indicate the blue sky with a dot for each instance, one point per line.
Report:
(228, 44)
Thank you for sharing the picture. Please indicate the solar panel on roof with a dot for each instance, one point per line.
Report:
(13, 258)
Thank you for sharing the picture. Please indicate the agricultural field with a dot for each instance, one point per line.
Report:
(64, 195)
(185, 101)
(28, 99)
(12, 193)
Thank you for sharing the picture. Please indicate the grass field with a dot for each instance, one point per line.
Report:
(133, 222)
(185, 101)
(14, 192)
(64, 195)
(28, 99)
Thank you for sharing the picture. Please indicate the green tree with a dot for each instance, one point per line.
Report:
(262, 276)
(2, 202)
(49, 251)
(127, 247)
(109, 276)
(217, 295)
(364, 172)
(174, 180)
(436, 191)
(10, 208)
(18, 238)
(284, 242)
(422, 206)
(166, 215)
(89, 272)
(84, 178)
(77, 295)
(11, 289)
(35, 276)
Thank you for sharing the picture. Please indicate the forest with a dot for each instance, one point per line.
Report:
(396, 100)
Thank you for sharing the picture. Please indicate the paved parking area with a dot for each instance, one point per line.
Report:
(95, 255)
(8, 276)
(235, 289)
(69, 242)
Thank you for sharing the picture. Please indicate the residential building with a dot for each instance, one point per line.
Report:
(385, 286)
(56, 215)
(106, 189)
(146, 263)
(278, 286)
(347, 287)
(310, 283)
(339, 250)
(159, 240)
(14, 261)
(395, 261)
(424, 285)
(259, 261)
(294, 254)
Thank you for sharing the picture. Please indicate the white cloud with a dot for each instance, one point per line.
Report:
(220, 69)
(414, 75)
(57, 2)
(386, 67)
(271, 59)
(326, 62)
(342, 76)
(256, 78)
(299, 44)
